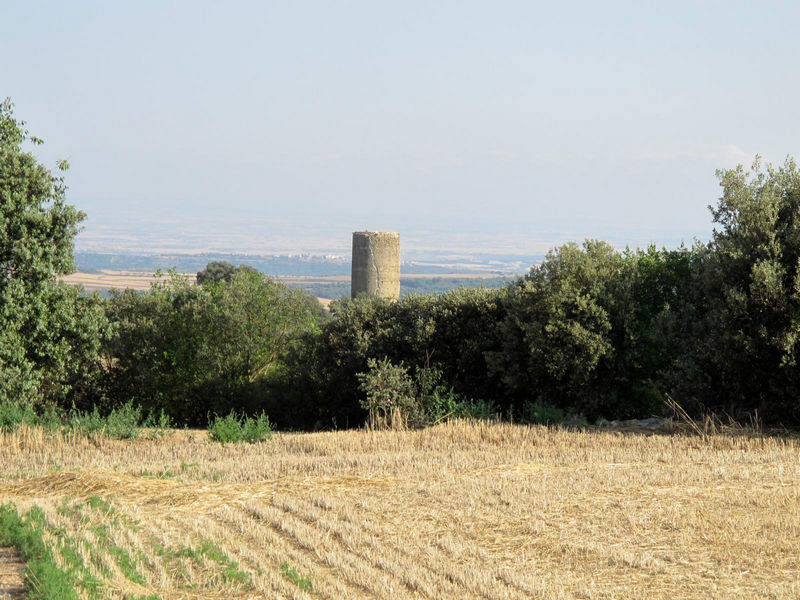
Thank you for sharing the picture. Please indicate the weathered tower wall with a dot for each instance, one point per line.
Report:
(376, 264)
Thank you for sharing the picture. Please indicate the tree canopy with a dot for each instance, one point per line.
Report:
(221, 270)
(51, 333)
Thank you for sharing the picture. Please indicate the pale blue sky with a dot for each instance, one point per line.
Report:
(545, 120)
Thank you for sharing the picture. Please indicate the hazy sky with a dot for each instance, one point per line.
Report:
(546, 120)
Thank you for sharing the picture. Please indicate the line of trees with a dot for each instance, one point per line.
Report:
(589, 331)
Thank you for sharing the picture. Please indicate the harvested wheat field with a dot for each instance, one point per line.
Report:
(462, 510)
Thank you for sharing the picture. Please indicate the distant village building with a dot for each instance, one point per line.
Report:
(376, 264)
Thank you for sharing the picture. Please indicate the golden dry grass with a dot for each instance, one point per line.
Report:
(107, 279)
(456, 511)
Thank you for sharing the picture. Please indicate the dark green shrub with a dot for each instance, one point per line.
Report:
(437, 402)
(449, 334)
(542, 413)
(16, 413)
(158, 425)
(256, 429)
(121, 423)
(389, 394)
(192, 350)
(481, 410)
(225, 429)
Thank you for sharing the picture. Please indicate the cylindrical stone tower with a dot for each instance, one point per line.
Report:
(376, 264)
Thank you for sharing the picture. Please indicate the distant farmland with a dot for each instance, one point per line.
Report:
(461, 510)
(333, 286)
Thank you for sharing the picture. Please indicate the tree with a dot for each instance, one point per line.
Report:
(557, 328)
(193, 350)
(50, 334)
(441, 338)
(221, 270)
(252, 321)
(750, 282)
(592, 330)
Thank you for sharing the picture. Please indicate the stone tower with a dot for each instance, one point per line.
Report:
(376, 264)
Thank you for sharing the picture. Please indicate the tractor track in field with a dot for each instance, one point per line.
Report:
(12, 571)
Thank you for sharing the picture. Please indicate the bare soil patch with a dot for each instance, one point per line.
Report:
(12, 570)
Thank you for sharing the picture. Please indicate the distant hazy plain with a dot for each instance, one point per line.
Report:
(220, 233)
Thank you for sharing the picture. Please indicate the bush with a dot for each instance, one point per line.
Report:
(236, 428)
(542, 413)
(437, 402)
(480, 410)
(191, 350)
(389, 393)
(85, 422)
(15, 413)
(158, 425)
(123, 422)
(449, 334)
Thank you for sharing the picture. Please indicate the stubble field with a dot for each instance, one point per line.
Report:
(461, 510)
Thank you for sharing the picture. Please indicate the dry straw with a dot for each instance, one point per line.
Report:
(460, 510)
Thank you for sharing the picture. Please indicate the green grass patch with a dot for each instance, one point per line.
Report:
(304, 583)
(164, 474)
(57, 569)
(98, 503)
(126, 564)
(229, 570)
(125, 421)
(239, 428)
(44, 579)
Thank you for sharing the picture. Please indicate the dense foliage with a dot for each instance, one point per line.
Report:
(742, 337)
(590, 331)
(196, 350)
(220, 270)
(50, 333)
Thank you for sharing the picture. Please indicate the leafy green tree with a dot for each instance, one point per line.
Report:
(749, 345)
(592, 330)
(651, 298)
(252, 322)
(452, 334)
(442, 338)
(152, 357)
(192, 350)
(558, 325)
(323, 370)
(50, 334)
(221, 270)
